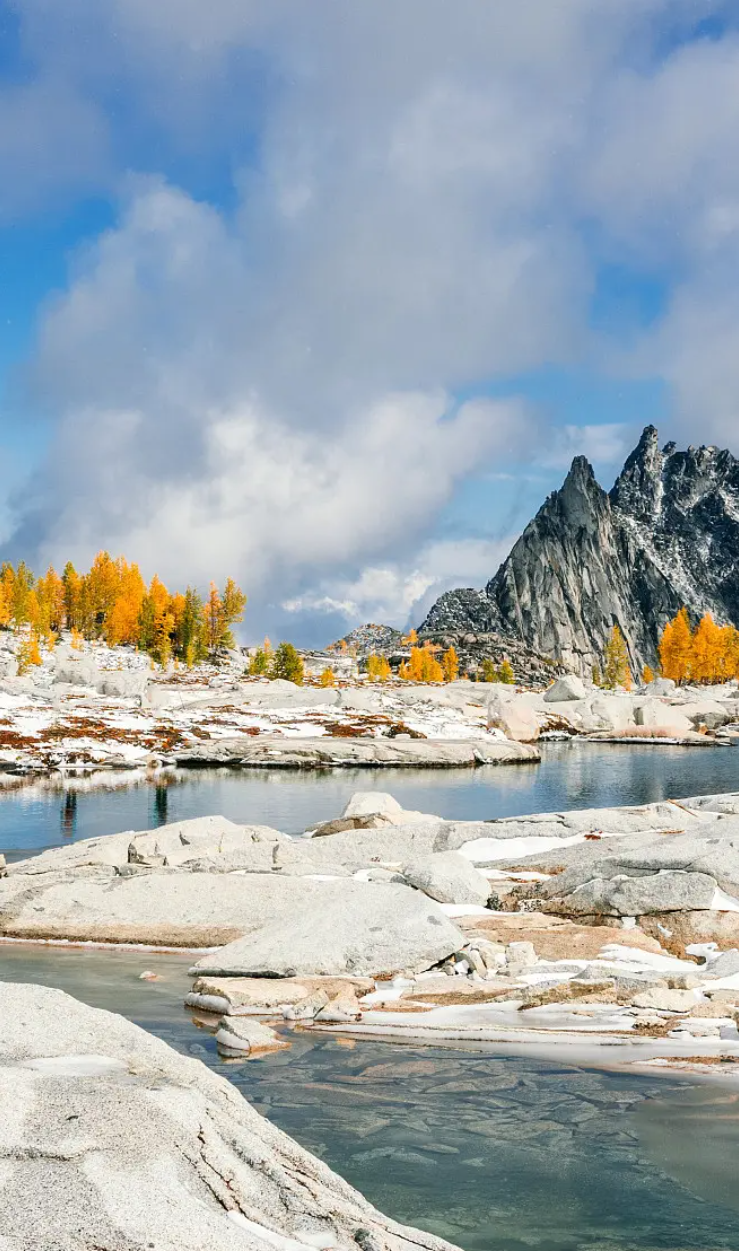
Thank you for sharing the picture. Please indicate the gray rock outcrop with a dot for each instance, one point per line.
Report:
(111, 1140)
(278, 752)
(289, 925)
(344, 928)
(565, 688)
(448, 878)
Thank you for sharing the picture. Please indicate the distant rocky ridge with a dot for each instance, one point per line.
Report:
(666, 535)
(529, 667)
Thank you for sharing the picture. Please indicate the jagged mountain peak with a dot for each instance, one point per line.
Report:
(580, 499)
(666, 535)
(638, 488)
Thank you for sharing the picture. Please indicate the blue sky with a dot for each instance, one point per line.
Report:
(327, 296)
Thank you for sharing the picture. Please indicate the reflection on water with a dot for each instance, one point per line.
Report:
(494, 1153)
(47, 811)
(69, 813)
(161, 804)
(694, 1137)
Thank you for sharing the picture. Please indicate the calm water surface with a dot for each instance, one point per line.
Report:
(494, 1153)
(47, 812)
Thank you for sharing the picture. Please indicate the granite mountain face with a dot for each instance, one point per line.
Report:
(666, 535)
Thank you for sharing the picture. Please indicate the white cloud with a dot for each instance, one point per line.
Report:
(605, 446)
(197, 469)
(401, 594)
(266, 389)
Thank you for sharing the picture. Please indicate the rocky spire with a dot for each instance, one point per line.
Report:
(638, 488)
(667, 535)
(580, 501)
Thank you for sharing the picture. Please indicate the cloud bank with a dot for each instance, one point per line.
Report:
(342, 233)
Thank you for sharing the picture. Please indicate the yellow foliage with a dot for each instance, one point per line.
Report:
(327, 678)
(450, 665)
(421, 667)
(647, 675)
(616, 671)
(28, 652)
(675, 648)
(506, 674)
(708, 654)
(378, 668)
(112, 602)
(410, 639)
(122, 622)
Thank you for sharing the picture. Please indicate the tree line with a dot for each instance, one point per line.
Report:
(705, 655)
(425, 665)
(112, 603)
(708, 654)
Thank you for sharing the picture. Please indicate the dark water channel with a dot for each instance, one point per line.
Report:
(495, 1153)
(50, 812)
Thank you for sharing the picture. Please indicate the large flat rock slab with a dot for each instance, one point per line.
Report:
(295, 926)
(353, 928)
(212, 839)
(273, 752)
(111, 1140)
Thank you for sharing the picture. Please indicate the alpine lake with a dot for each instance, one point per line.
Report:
(496, 1152)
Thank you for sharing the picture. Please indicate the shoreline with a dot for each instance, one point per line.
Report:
(194, 763)
(609, 930)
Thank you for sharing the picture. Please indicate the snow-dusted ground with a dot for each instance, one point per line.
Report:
(111, 706)
(47, 722)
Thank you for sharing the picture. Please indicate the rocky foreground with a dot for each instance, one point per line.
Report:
(112, 1141)
(620, 924)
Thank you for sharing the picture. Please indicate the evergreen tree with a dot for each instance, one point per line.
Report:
(259, 664)
(190, 630)
(287, 664)
(506, 674)
(72, 585)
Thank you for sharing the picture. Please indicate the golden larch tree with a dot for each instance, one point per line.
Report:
(450, 665)
(706, 653)
(505, 673)
(122, 624)
(675, 648)
(616, 671)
